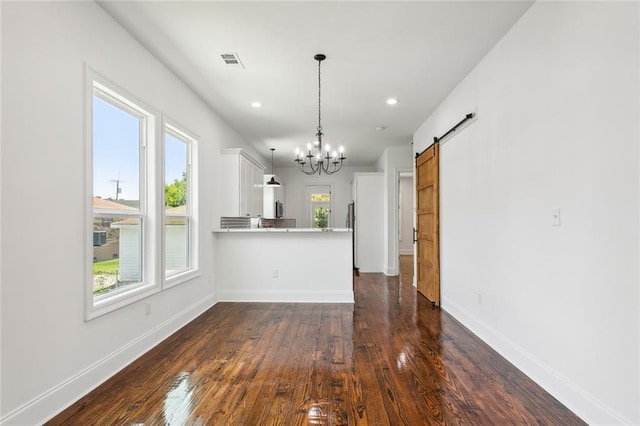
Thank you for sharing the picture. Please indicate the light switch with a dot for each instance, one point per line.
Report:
(555, 217)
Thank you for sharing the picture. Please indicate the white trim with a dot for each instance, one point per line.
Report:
(400, 195)
(117, 213)
(117, 96)
(49, 403)
(404, 172)
(306, 207)
(576, 399)
(87, 169)
(391, 272)
(180, 132)
(394, 221)
(181, 277)
(120, 300)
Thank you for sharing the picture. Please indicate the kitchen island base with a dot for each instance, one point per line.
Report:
(284, 265)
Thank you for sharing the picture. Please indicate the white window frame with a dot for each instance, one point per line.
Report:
(192, 271)
(148, 212)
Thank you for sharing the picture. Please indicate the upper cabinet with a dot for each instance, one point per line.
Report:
(242, 189)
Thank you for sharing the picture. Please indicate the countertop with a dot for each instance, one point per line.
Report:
(280, 230)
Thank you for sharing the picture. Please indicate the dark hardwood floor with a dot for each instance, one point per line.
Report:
(390, 359)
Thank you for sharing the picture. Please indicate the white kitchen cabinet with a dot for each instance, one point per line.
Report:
(241, 177)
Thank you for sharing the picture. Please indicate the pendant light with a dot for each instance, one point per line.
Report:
(273, 182)
(318, 161)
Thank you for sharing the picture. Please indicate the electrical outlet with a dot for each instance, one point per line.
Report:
(147, 308)
(275, 273)
(479, 299)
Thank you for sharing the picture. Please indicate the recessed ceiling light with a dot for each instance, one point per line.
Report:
(381, 128)
(256, 104)
(392, 101)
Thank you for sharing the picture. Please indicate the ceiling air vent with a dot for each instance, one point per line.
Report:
(232, 60)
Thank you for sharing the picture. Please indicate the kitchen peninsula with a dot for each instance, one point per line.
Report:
(283, 265)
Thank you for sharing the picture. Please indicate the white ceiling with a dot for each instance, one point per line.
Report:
(414, 51)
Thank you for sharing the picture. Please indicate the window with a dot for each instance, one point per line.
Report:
(318, 206)
(178, 202)
(121, 132)
(142, 235)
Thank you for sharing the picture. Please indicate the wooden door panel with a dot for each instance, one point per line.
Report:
(427, 224)
(426, 221)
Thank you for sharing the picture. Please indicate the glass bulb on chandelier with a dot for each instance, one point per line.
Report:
(331, 162)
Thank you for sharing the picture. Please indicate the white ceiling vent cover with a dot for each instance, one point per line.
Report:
(232, 60)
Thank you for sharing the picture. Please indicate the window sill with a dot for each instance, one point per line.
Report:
(181, 277)
(103, 307)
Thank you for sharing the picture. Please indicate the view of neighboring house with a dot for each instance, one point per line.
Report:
(129, 249)
(106, 240)
(176, 242)
(176, 239)
(119, 238)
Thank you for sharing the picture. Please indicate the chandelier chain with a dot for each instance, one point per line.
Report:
(319, 98)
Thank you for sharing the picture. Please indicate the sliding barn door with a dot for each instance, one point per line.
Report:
(427, 224)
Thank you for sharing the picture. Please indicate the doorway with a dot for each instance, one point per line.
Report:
(405, 224)
(318, 206)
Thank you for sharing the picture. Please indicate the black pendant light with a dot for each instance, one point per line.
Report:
(273, 181)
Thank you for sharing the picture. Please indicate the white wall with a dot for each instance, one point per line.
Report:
(393, 161)
(405, 240)
(285, 266)
(381, 163)
(557, 127)
(295, 181)
(50, 355)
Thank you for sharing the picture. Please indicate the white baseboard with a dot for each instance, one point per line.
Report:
(47, 405)
(372, 271)
(391, 272)
(287, 297)
(576, 399)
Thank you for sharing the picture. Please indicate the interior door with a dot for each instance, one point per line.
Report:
(318, 206)
(427, 224)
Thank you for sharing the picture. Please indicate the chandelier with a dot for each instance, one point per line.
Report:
(329, 162)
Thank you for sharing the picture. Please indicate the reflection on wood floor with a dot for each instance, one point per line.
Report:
(406, 269)
(390, 359)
